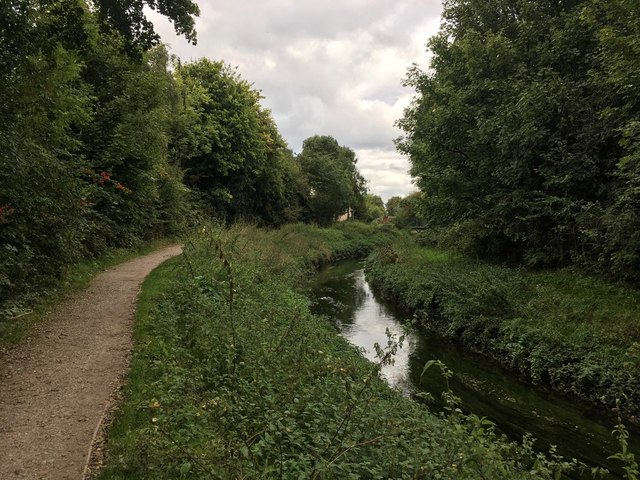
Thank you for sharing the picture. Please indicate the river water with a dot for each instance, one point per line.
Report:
(342, 293)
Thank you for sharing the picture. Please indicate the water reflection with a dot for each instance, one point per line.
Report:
(342, 293)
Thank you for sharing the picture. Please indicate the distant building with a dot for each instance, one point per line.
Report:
(345, 216)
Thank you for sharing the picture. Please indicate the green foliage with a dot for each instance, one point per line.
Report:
(335, 184)
(127, 147)
(524, 137)
(99, 130)
(231, 149)
(630, 464)
(233, 377)
(41, 209)
(392, 206)
(571, 332)
(84, 160)
(373, 208)
(129, 20)
(618, 23)
(406, 211)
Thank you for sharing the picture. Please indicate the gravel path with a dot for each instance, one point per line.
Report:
(54, 389)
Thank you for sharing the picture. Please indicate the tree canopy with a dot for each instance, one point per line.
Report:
(392, 205)
(107, 141)
(129, 19)
(335, 184)
(523, 136)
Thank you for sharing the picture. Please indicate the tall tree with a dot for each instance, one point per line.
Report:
(392, 205)
(129, 19)
(616, 239)
(335, 184)
(230, 147)
(511, 138)
(83, 152)
(43, 101)
(374, 207)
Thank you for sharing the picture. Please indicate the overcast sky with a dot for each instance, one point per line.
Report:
(325, 67)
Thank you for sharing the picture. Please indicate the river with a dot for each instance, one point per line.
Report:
(342, 293)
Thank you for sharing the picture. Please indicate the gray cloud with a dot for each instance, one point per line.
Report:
(328, 68)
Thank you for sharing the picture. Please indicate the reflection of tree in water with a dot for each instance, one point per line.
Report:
(361, 294)
(343, 294)
(338, 293)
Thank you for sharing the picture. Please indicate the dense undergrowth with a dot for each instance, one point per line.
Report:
(570, 331)
(233, 377)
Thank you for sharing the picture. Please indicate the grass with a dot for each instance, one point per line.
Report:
(18, 320)
(233, 377)
(575, 333)
(152, 292)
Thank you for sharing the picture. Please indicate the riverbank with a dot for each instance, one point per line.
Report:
(576, 334)
(233, 377)
(342, 293)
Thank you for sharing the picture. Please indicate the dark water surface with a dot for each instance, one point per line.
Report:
(342, 293)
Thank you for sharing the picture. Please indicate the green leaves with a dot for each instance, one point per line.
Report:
(576, 333)
(84, 133)
(427, 366)
(335, 184)
(230, 147)
(523, 135)
(129, 19)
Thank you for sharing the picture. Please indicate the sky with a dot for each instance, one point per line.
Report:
(329, 67)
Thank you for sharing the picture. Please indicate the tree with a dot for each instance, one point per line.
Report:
(335, 184)
(616, 239)
(393, 204)
(408, 211)
(44, 101)
(127, 141)
(374, 207)
(127, 17)
(84, 154)
(517, 133)
(230, 147)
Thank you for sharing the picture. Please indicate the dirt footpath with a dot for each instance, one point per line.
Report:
(54, 389)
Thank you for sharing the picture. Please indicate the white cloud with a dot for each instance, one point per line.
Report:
(386, 171)
(327, 68)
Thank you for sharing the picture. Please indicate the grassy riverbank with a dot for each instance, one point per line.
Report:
(575, 333)
(233, 377)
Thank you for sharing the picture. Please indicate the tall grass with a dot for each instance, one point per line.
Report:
(233, 377)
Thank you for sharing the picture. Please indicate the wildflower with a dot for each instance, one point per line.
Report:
(104, 177)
